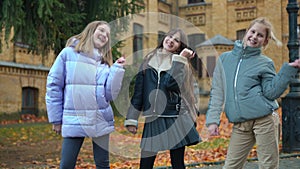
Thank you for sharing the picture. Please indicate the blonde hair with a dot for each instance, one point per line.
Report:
(86, 42)
(269, 29)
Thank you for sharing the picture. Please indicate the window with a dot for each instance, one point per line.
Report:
(29, 100)
(164, 18)
(240, 34)
(19, 41)
(137, 42)
(211, 63)
(160, 36)
(199, 65)
(195, 1)
(194, 40)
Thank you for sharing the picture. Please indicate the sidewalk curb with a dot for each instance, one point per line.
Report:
(282, 156)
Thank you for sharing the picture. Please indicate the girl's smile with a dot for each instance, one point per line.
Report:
(171, 43)
(256, 36)
(101, 36)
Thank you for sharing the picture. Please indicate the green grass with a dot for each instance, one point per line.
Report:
(212, 144)
(26, 132)
(36, 132)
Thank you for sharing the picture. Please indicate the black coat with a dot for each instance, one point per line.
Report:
(164, 102)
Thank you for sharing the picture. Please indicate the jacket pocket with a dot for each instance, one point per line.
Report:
(105, 114)
(255, 107)
(100, 97)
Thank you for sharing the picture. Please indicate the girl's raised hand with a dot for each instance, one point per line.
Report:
(121, 60)
(188, 53)
(295, 64)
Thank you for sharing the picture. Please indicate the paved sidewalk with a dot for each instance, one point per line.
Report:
(288, 161)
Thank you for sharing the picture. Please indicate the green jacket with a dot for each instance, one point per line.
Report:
(245, 83)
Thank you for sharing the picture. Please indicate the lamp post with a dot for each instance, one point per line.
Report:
(291, 102)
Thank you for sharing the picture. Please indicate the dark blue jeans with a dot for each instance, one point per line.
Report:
(71, 147)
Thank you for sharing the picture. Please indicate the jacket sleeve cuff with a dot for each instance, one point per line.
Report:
(179, 58)
(207, 124)
(130, 122)
(118, 65)
(290, 70)
(56, 122)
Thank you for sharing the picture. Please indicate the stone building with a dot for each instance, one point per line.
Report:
(204, 19)
(211, 26)
(22, 79)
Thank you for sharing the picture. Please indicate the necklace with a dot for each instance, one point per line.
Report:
(160, 61)
(163, 61)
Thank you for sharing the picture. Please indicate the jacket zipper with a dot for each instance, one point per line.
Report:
(157, 88)
(155, 99)
(236, 74)
(235, 78)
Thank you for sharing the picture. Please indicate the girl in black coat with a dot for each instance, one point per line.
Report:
(164, 94)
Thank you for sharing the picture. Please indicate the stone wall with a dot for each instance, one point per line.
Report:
(12, 79)
(20, 69)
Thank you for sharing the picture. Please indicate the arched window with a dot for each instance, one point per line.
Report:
(29, 100)
(240, 34)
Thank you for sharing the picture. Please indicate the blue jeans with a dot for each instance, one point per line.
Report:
(71, 147)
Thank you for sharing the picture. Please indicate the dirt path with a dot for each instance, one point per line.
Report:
(29, 155)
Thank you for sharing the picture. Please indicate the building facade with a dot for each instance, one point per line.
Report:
(211, 26)
(204, 22)
(22, 79)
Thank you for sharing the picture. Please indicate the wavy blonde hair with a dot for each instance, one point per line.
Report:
(269, 29)
(86, 42)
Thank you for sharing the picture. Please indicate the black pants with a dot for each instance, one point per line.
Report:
(177, 159)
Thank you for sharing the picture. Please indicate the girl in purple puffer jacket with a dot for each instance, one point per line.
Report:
(80, 85)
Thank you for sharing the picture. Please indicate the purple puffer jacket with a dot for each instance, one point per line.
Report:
(79, 91)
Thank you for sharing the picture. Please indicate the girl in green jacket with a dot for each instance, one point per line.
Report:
(246, 83)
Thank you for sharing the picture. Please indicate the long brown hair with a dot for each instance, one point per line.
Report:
(187, 89)
(86, 42)
(183, 44)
